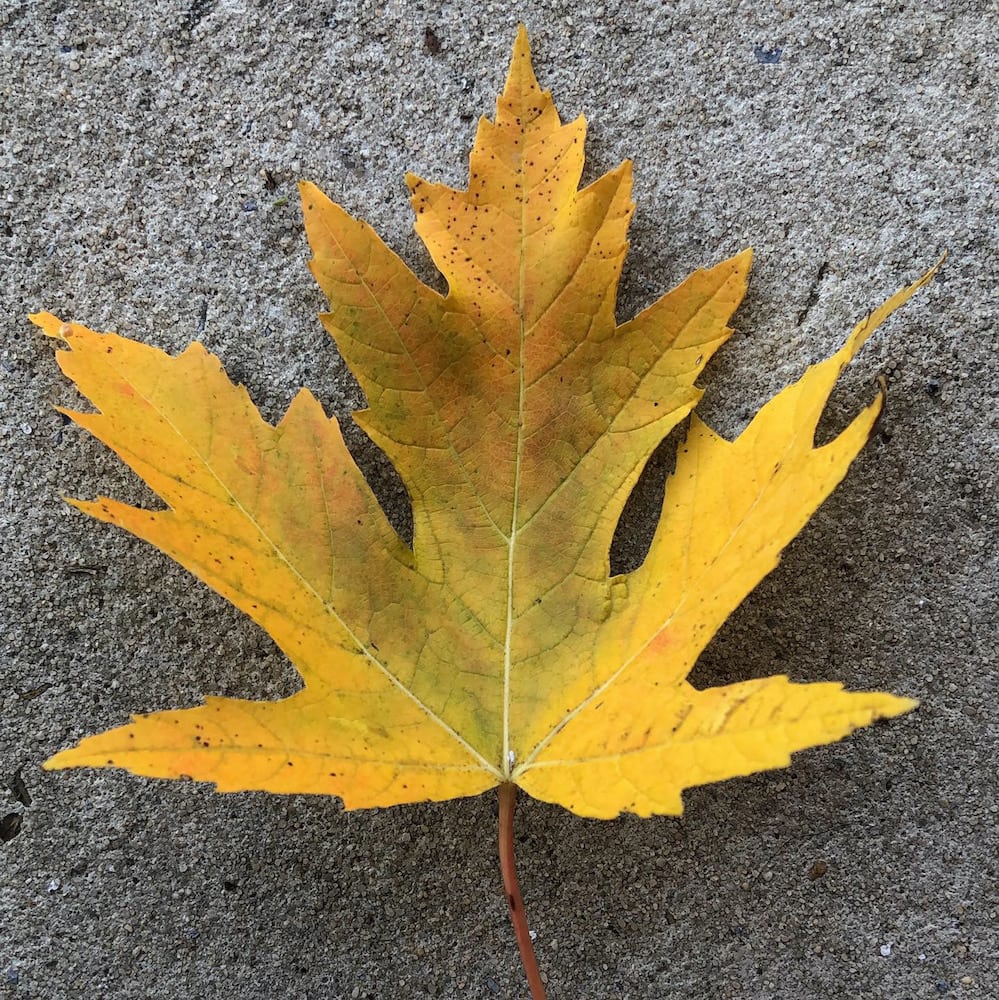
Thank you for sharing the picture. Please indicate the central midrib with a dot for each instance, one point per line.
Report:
(508, 763)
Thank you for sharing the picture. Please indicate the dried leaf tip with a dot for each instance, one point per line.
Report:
(51, 325)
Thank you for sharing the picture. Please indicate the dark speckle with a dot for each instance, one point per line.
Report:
(431, 41)
(16, 784)
(10, 826)
(197, 10)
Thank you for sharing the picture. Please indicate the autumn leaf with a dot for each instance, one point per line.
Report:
(519, 413)
(500, 648)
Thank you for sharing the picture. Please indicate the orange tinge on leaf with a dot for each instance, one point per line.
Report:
(519, 414)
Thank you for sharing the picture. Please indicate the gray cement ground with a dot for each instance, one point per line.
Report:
(850, 144)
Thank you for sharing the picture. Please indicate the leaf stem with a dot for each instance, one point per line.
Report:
(511, 887)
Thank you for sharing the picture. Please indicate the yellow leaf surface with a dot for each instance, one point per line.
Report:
(519, 414)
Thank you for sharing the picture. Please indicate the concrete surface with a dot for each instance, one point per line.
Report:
(850, 144)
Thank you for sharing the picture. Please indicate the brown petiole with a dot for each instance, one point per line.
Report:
(511, 887)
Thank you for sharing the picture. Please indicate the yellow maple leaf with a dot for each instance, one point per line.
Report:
(499, 649)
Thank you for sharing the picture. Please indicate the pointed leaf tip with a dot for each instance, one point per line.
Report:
(521, 91)
(861, 333)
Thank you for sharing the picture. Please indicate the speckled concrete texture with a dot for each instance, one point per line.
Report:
(148, 160)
